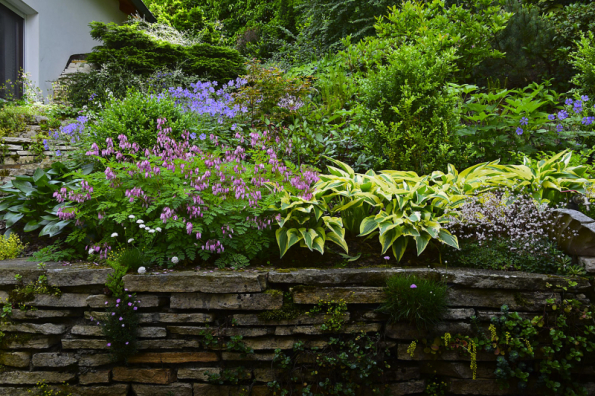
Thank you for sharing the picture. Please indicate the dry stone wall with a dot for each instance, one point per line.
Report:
(17, 156)
(58, 343)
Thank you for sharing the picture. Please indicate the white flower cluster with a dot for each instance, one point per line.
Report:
(503, 214)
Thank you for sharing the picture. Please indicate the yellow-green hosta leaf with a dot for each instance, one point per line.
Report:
(421, 242)
(355, 202)
(318, 245)
(399, 247)
(335, 224)
(446, 237)
(287, 238)
(321, 233)
(410, 229)
(368, 225)
(308, 236)
(338, 239)
(387, 239)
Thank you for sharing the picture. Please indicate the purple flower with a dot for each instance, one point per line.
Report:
(519, 131)
(551, 117)
(588, 120)
(121, 318)
(135, 308)
(192, 136)
(524, 121)
(562, 115)
(58, 153)
(413, 286)
(118, 300)
(113, 313)
(387, 257)
(578, 106)
(568, 102)
(585, 98)
(109, 344)
(559, 128)
(202, 136)
(126, 342)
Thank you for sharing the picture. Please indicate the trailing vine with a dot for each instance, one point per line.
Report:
(347, 365)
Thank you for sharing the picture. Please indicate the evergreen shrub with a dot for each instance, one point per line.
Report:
(137, 51)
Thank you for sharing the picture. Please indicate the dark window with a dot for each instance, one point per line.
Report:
(11, 53)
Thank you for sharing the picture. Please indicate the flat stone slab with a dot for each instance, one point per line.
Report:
(35, 342)
(176, 317)
(33, 377)
(112, 390)
(53, 359)
(66, 300)
(285, 343)
(315, 330)
(177, 389)
(73, 276)
(95, 360)
(73, 343)
(174, 357)
(15, 359)
(42, 314)
(168, 344)
(256, 301)
(95, 377)
(256, 320)
(100, 300)
(588, 263)
(351, 295)
(147, 376)
(467, 277)
(191, 281)
(223, 332)
(45, 329)
(519, 301)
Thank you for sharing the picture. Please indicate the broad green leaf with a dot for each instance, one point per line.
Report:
(32, 226)
(422, 241)
(368, 225)
(11, 218)
(448, 238)
(23, 186)
(338, 239)
(399, 247)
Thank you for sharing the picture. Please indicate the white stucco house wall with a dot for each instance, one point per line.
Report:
(40, 36)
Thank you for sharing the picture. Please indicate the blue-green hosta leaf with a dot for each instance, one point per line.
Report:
(11, 218)
(38, 174)
(32, 226)
(23, 186)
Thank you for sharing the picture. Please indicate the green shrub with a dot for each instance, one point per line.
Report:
(10, 247)
(140, 53)
(417, 300)
(136, 116)
(527, 42)
(584, 61)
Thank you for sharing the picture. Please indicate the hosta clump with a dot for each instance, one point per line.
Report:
(501, 229)
(179, 202)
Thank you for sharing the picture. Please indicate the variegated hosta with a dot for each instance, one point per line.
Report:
(302, 221)
(402, 207)
(547, 180)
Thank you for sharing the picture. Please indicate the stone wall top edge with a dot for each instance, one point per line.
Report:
(251, 281)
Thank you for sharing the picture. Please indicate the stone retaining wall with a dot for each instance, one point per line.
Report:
(15, 157)
(60, 343)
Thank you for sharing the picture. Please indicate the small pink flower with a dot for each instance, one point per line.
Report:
(413, 286)
(121, 318)
(126, 342)
(387, 257)
(109, 345)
